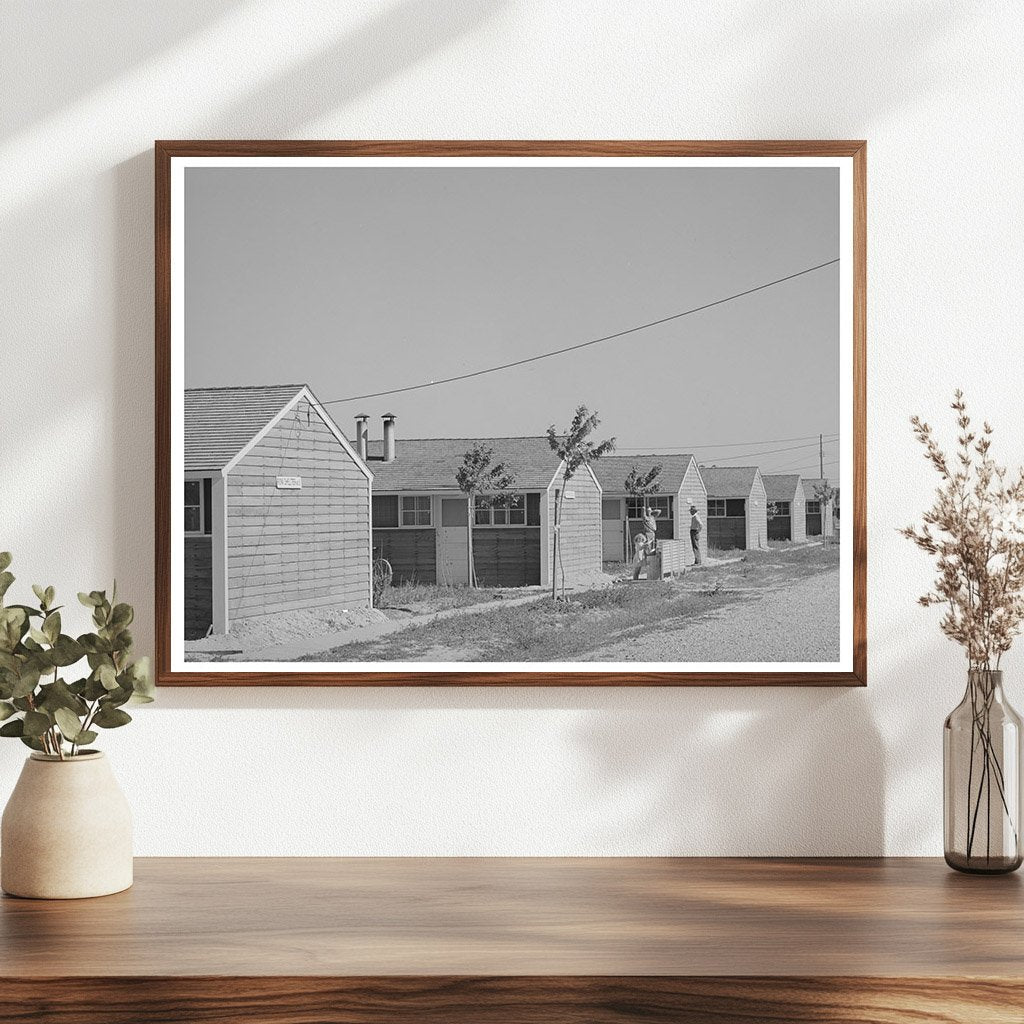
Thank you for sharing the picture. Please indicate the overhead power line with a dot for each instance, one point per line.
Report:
(772, 451)
(686, 449)
(583, 344)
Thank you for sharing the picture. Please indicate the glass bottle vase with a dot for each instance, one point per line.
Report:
(981, 771)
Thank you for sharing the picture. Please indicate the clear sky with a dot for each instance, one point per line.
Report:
(361, 280)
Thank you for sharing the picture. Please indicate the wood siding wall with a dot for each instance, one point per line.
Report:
(412, 553)
(291, 549)
(693, 491)
(799, 516)
(581, 528)
(198, 586)
(757, 515)
(507, 556)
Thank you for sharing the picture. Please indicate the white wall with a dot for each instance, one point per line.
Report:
(936, 88)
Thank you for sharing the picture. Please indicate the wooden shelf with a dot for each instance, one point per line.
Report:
(507, 940)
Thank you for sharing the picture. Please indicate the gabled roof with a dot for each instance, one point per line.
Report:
(781, 486)
(612, 470)
(429, 463)
(220, 422)
(728, 481)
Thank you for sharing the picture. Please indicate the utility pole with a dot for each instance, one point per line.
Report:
(821, 458)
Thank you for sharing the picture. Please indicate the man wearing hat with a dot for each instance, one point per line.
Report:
(695, 529)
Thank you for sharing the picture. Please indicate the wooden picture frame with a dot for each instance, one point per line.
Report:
(850, 156)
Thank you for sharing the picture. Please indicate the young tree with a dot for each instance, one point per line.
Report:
(480, 474)
(824, 493)
(641, 485)
(576, 451)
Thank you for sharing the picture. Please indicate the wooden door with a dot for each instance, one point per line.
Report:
(452, 543)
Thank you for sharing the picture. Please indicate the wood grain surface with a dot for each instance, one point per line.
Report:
(505, 940)
(166, 150)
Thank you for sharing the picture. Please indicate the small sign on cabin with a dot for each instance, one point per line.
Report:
(289, 483)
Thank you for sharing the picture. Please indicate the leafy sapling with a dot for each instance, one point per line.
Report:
(37, 704)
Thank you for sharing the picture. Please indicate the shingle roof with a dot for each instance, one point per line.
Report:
(612, 470)
(728, 481)
(220, 422)
(781, 486)
(429, 463)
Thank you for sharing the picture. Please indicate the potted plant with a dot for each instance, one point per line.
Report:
(975, 530)
(66, 830)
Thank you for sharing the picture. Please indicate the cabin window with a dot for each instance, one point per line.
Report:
(195, 507)
(721, 507)
(779, 508)
(506, 510)
(416, 510)
(635, 506)
(385, 511)
(813, 508)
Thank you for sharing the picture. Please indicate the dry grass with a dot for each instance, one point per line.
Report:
(545, 631)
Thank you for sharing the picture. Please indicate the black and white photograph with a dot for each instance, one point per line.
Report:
(511, 415)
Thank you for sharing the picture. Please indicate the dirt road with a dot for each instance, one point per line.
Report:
(797, 623)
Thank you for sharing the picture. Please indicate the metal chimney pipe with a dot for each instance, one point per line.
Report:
(362, 433)
(389, 436)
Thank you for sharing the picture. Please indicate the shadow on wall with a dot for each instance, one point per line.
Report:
(384, 46)
(725, 772)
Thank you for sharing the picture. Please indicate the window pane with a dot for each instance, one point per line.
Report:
(191, 492)
(482, 517)
(533, 510)
(735, 507)
(385, 510)
(517, 516)
(814, 507)
(192, 520)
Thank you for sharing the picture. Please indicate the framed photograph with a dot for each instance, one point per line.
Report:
(492, 413)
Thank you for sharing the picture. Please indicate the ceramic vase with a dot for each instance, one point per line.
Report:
(66, 831)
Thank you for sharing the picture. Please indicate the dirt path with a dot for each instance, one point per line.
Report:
(796, 623)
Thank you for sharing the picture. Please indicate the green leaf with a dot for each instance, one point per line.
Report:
(50, 594)
(89, 600)
(86, 736)
(51, 626)
(27, 681)
(59, 695)
(13, 625)
(6, 710)
(31, 741)
(13, 728)
(38, 635)
(144, 690)
(122, 616)
(107, 676)
(94, 689)
(6, 579)
(69, 724)
(110, 718)
(5, 560)
(36, 723)
(66, 651)
(91, 643)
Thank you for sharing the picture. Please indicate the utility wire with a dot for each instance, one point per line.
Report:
(584, 344)
(673, 449)
(773, 451)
